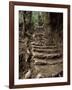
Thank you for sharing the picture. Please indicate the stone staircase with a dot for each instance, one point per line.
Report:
(47, 57)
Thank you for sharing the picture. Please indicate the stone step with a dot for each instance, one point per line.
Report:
(45, 50)
(36, 43)
(49, 70)
(50, 62)
(47, 56)
(44, 47)
(59, 74)
(46, 59)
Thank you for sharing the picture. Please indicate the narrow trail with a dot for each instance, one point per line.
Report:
(46, 60)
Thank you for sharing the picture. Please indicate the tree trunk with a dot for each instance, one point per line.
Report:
(47, 26)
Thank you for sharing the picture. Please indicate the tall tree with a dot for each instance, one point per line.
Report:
(47, 26)
(27, 15)
(46, 17)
